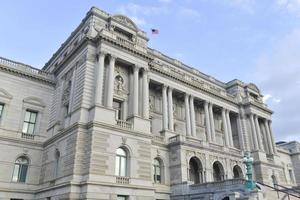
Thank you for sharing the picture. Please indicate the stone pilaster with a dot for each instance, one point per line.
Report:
(136, 70)
(207, 122)
(227, 143)
(229, 128)
(170, 109)
(187, 115)
(165, 107)
(212, 123)
(99, 76)
(110, 82)
(145, 94)
(269, 140)
(258, 133)
(254, 136)
(193, 122)
(272, 137)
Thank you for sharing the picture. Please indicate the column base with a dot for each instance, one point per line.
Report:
(259, 155)
(167, 134)
(102, 114)
(140, 124)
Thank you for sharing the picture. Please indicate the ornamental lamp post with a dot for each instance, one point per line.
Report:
(248, 161)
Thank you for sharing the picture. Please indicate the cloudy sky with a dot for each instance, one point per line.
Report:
(251, 40)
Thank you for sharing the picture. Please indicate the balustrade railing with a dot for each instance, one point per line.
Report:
(24, 67)
(27, 136)
(122, 179)
(124, 124)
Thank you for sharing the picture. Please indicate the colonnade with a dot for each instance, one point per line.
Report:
(257, 134)
(104, 86)
(168, 117)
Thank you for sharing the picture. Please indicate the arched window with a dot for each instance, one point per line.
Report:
(157, 171)
(218, 171)
(195, 171)
(20, 170)
(121, 162)
(57, 163)
(237, 172)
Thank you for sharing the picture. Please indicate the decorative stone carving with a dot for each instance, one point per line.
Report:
(125, 20)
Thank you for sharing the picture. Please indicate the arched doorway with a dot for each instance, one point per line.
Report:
(237, 172)
(226, 198)
(195, 170)
(218, 171)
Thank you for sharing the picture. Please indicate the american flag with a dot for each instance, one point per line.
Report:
(154, 31)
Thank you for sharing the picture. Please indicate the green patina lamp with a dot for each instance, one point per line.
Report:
(248, 161)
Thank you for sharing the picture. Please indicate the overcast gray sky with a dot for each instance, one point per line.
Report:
(251, 40)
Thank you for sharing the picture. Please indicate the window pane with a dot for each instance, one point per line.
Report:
(23, 173)
(33, 117)
(117, 167)
(158, 178)
(121, 152)
(123, 167)
(121, 198)
(157, 170)
(27, 116)
(1, 109)
(25, 127)
(16, 173)
(30, 128)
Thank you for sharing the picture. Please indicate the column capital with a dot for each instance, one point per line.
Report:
(186, 95)
(102, 53)
(164, 86)
(136, 68)
(170, 88)
(112, 57)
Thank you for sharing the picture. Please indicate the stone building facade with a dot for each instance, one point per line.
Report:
(110, 118)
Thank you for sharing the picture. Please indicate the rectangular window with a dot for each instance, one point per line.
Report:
(29, 122)
(1, 110)
(122, 197)
(117, 105)
(291, 175)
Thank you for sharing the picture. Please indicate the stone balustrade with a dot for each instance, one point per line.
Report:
(24, 68)
(122, 179)
(124, 124)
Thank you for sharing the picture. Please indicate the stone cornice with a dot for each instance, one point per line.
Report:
(21, 141)
(126, 46)
(29, 73)
(116, 128)
(229, 99)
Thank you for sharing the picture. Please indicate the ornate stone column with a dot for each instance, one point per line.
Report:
(187, 115)
(254, 136)
(258, 133)
(136, 70)
(145, 94)
(272, 137)
(227, 143)
(212, 122)
(268, 134)
(193, 122)
(110, 83)
(99, 76)
(240, 132)
(207, 122)
(164, 107)
(229, 128)
(170, 109)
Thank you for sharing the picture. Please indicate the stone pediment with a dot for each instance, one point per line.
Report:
(125, 21)
(253, 87)
(5, 94)
(34, 101)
